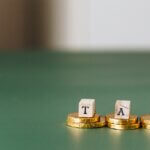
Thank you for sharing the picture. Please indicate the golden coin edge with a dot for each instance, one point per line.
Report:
(88, 125)
(74, 118)
(111, 119)
(123, 127)
(143, 120)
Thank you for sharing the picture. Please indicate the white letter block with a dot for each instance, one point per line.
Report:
(87, 108)
(122, 109)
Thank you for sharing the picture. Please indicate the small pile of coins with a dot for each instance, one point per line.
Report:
(145, 121)
(96, 121)
(121, 119)
(131, 123)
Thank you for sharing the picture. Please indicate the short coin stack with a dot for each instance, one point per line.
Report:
(86, 116)
(131, 123)
(96, 121)
(145, 121)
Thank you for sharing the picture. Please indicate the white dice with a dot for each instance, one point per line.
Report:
(87, 108)
(122, 109)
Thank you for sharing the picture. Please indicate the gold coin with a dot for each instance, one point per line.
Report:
(124, 126)
(111, 119)
(146, 126)
(145, 119)
(73, 117)
(99, 124)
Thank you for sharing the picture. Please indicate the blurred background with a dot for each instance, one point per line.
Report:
(75, 25)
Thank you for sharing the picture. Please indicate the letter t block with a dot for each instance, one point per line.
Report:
(87, 108)
(122, 109)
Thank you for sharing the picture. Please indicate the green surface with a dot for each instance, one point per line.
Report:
(39, 89)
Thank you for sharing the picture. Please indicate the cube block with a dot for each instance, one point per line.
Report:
(87, 108)
(122, 109)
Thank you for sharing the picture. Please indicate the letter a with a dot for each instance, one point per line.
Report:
(122, 109)
(120, 112)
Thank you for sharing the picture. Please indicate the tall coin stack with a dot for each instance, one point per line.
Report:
(131, 123)
(122, 119)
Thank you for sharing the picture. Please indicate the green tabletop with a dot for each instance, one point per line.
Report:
(39, 89)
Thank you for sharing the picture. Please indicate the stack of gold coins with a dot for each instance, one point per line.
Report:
(120, 124)
(96, 121)
(145, 121)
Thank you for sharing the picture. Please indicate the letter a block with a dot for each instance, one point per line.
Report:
(122, 109)
(87, 108)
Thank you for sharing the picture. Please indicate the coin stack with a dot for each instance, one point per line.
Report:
(96, 121)
(145, 121)
(120, 124)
